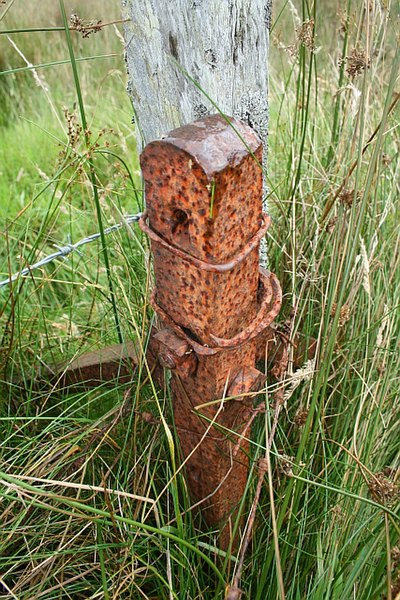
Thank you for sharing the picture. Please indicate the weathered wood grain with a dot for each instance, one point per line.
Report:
(187, 57)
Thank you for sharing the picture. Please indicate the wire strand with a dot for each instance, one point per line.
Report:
(64, 251)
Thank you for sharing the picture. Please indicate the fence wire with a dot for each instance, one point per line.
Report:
(64, 251)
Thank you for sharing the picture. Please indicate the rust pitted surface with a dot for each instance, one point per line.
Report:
(210, 214)
(199, 201)
(204, 217)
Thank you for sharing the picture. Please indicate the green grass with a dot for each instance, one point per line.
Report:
(91, 505)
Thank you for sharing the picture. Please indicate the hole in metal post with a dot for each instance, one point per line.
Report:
(180, 224)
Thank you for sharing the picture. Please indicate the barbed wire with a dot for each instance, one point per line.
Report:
(64, 251)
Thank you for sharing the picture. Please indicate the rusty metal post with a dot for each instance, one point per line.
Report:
(204, 217)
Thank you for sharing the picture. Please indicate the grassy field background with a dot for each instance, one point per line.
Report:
(90, 503)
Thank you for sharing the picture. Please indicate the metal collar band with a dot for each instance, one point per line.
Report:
(269, 308)
(201, 264)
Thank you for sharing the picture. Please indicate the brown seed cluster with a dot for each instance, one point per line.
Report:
(395, 587)
(285, 465)
(344, 315)
(84, 27)
(383, 489)
(305, 35)
(74, 129)
(300, 417)
(346, 197)
(356, 62)
(82, 144)
(395, 556)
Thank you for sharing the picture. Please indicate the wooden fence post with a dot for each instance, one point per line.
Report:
(204, 218)
(184, 55)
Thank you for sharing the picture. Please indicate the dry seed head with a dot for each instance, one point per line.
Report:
(381, 368)
(395, 555)
(291, 50)
(346, 197)
(300, 417)
(305, 35)
(306, 373)
(286, 465)
(233, 593)
(148, 417)
(365, 267)
(356, 62)
(4, 356)
(74, 129)
(344, 313)
(383, 489)
(84, 27)
(392, 472)
(395, 587)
